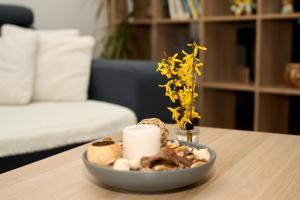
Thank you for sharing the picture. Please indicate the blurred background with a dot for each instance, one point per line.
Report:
(249, 79)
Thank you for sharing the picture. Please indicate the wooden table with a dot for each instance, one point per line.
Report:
(249, 165)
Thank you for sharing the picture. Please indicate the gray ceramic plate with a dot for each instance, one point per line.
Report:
(151, 181)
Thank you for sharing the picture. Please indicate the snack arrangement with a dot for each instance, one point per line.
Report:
(143, 150)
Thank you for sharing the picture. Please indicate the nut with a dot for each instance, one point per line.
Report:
(163, 167)
(198, 164)
(190, 157)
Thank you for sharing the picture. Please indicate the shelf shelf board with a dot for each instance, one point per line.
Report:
(229, 18)
(280, 16)
(282, 90)
(141, 22)
(235, 86)
(176, 21)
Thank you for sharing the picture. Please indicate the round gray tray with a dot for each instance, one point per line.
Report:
(151, 181)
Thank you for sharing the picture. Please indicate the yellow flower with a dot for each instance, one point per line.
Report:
(181, 86)
(174, 59)
(197, 66)
(195, 45)
(185, 119)
(185, 97)
(185, 53)
(164, 69)
(195, 114)
(178, 83)
(169, 92)
(175, 113)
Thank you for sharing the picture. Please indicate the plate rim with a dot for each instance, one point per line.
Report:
(212, 160)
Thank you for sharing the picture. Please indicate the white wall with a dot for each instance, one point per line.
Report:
(61, 14)
(56, 14)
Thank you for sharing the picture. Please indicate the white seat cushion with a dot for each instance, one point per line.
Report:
(39, 126)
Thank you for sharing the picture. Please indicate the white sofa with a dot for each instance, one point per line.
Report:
(41, 126)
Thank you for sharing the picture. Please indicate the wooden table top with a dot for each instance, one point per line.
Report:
(249, 165)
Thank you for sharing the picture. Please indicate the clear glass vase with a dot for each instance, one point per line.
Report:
(188, 135)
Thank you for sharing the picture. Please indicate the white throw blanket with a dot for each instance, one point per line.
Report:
(40, 126)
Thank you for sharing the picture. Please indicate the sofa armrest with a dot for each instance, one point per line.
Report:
(133, 84)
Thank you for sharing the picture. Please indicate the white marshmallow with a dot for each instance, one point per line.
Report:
(202, 154)
(121, 164)
(135, 164)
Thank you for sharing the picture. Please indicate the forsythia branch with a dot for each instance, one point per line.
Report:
(180, 88)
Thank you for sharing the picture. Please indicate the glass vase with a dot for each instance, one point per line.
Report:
(188, 135)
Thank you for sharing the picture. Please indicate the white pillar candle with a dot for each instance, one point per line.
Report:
(141, 140)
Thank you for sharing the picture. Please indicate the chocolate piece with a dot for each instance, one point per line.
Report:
(169, 155)
(166, 155)
(163, 167)
(198, 164)
(186, 162)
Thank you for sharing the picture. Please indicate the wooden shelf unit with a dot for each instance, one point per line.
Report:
(264, 104)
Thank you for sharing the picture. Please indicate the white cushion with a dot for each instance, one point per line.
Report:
(17, 60)
(18, 53)
(39, 126)
(63, 68)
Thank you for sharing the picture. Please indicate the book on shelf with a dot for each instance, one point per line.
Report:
(172, 10)
(198, 6)
(184, 9)
(193, 9)
(179, 10)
